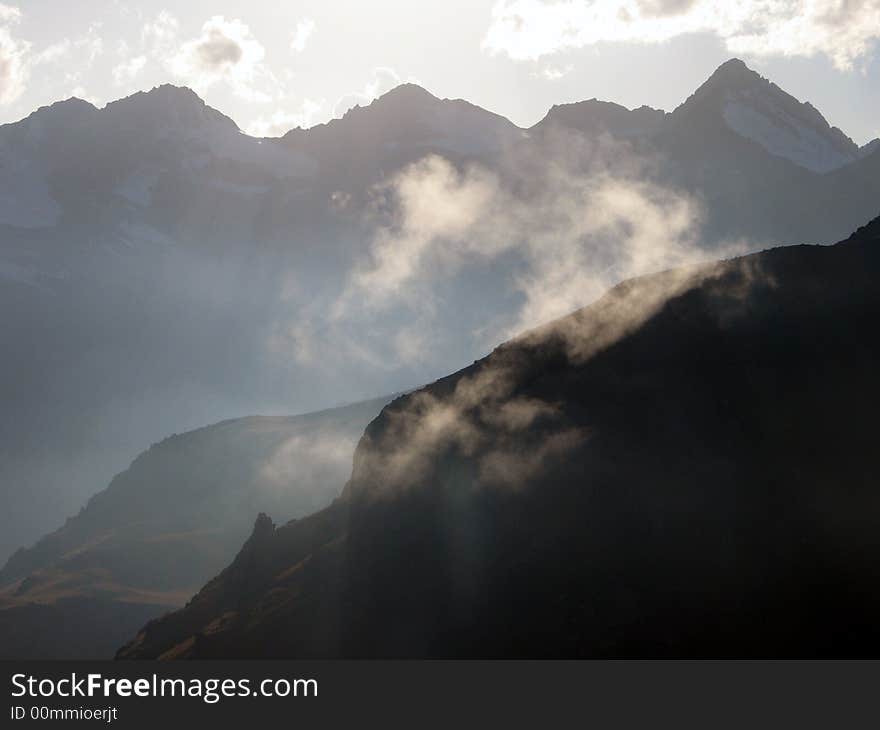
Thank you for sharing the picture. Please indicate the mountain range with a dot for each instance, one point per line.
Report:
(683, 468)
(166, 525)
(162, 270)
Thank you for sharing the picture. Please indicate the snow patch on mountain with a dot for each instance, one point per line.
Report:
(784, 135)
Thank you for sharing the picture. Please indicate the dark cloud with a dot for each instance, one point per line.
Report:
(218, 50)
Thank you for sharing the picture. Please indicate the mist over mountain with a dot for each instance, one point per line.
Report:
(683, 468)
(162, 270)
(167, 524)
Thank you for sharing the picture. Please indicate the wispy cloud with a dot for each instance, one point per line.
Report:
(126, 71)
(302, 34)
(554, 73)
(844, 31)
(14, 56)
(77, 53)
(308, 459)
(159, 35)
(482, 419)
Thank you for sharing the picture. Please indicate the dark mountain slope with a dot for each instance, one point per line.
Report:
(168, 523)
(684, 468)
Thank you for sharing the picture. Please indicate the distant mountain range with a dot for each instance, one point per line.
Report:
(166, 525)
(742, 143)
(161, 166)
(161, 270)
(735, 98)
(684, 468)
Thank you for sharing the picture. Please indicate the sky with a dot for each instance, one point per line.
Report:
(272, 65)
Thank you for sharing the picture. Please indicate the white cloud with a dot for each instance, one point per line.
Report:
(554, 73)
(225, 51)
(843, 30)
(305, 28)
(90, 46)
(125, 72)
(9, 14)
(280, 122)
(55, 52)
(160, 35)
(14, 57)
(158, 41)
(384, 79)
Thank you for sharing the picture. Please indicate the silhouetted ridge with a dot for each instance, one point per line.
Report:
(72, 112)
(171, 521)
(868, 232)
(683, 469)
(407, 93)
(871, 148)
(169, 104)
(733, 73)
(594, 117)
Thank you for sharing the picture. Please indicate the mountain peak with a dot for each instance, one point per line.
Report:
(401, 99)
(734, 68)
(595, 117)
(74, 102)
(64, 112)
(758, 110)
(409, 90)
(162, 94)
(167, 103)
(732, 75)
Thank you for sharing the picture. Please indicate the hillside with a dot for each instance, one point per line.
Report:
(684, 468)
(167, 524)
